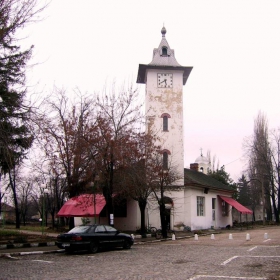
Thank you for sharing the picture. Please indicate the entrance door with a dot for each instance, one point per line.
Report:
(167, 218)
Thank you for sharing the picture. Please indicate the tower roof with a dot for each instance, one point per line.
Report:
(164, 55)
(164, 59)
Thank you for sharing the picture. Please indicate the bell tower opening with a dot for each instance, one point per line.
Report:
(164, 51)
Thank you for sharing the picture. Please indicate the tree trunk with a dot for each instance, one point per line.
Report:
(109, 204)
(110, 210)
(13, 187)
(163, 220)
(142, 205)
(53, 220)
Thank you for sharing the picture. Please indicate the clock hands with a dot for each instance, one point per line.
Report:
(163, 81)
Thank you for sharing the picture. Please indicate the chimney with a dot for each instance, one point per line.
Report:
(194, 166)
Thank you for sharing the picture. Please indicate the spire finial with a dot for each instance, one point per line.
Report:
(201, 152)
(163, 31)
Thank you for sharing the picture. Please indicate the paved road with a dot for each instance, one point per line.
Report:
(205, 258)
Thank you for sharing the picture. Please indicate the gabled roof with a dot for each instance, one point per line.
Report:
(199, 179)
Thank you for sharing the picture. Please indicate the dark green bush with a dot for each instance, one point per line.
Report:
(9, 233)
(20, 239)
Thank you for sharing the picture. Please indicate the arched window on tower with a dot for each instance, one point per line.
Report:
(165, 117)
(165, 161)
(164, 51)
(165, 123)
(165, 154)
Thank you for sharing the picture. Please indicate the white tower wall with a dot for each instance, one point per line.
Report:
(167, 101)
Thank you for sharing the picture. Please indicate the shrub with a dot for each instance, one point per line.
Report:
(20, 239)
(6, 233)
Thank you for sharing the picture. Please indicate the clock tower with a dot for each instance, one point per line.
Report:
(164, 78)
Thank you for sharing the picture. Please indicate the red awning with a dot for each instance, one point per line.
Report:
(83, 206)
(239, 207)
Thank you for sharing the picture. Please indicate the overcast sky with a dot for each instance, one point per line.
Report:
(233, 46)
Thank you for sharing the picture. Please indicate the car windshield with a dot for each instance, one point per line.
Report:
(79, 229)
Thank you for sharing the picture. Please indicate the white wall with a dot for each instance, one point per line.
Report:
(167, 100)
(132, 221)
(185, 210)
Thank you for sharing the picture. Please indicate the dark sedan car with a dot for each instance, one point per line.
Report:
(93, 237)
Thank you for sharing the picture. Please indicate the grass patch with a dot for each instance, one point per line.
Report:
(7, 233)
(31, 228)
(38, 228)
(15, 236)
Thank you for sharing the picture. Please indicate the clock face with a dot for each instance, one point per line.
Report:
(164, 80)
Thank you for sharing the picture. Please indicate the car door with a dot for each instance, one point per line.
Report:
(115, 239)
(102, 236)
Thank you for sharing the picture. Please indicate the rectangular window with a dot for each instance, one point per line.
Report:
(213, 209)
(224, 209)
(200, 205)
(213, 203)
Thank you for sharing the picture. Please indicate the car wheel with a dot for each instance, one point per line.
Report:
(93, 247)
(126, 245)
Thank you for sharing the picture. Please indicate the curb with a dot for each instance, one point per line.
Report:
(26, 245)
(13, 255)
(161, 240)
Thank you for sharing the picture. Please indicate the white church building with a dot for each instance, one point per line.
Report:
(201, 202)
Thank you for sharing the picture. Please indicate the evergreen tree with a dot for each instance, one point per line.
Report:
(15, 136)
(244, 191)
(224, 177)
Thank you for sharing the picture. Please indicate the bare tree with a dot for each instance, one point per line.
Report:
(119, 117)
(24, 197)
(274, 177)
(57, 194)
(263, 157)
(136, 172)
(68, 135)
(212, 160)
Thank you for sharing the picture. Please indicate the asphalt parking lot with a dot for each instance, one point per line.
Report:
(222, 257)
